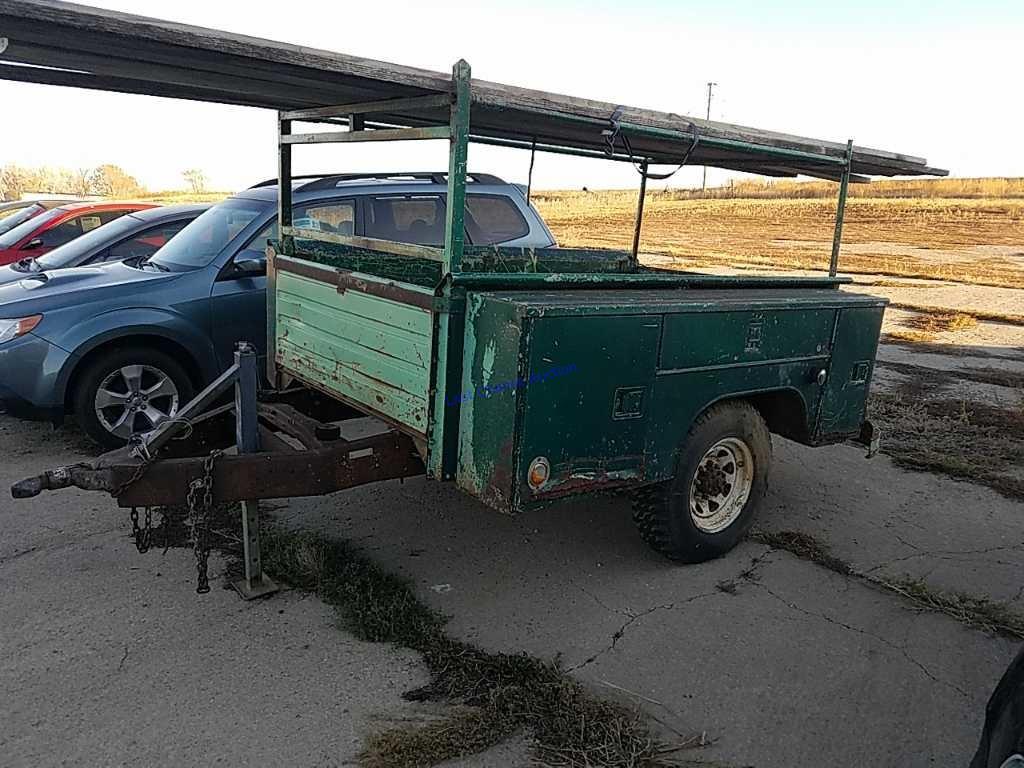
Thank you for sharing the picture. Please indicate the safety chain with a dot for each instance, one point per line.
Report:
(200, 502)
(143, 535)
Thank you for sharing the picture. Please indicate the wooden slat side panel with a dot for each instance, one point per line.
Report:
(367, 349)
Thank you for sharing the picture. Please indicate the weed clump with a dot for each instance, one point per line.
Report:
(500, 694)
(942, 321)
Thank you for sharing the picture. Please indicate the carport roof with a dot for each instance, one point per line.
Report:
(74, 45)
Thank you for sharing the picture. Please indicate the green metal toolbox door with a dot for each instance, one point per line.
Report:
(844, 400)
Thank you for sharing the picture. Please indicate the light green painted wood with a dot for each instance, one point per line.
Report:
(369, 350)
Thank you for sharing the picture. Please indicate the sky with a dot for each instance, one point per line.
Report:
(939, 79)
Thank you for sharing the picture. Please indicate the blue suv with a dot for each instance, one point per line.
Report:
(125, 346)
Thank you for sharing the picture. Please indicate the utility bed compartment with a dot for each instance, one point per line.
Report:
(603, 385)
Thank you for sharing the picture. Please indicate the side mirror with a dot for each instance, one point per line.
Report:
(250, 267)
(31, 245)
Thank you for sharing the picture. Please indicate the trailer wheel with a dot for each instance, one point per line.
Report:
(129, 391)
(721, 478)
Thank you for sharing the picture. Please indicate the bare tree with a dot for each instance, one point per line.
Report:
(14, 180)
(113, 181)
(196, 180)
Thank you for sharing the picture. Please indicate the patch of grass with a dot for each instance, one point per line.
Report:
(988, 616)
(1007, 318)
(907, 337)
(942, 322)
(978, 613)
(804, 546)
(894, 284)
(962, 439)
(504, 693)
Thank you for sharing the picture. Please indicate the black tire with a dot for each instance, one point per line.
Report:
(662, 512)
(87, 384)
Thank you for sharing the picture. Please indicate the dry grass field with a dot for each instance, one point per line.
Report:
(942, 230)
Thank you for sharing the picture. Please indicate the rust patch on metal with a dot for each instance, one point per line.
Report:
(388, 290)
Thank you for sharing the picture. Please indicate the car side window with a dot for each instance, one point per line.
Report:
(141, 245)
(261, 238)
(418, 219)
(106, 217)
(334, 216)
(67, 231)
(494, 219)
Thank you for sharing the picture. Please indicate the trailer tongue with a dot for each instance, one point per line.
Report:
(523, 375)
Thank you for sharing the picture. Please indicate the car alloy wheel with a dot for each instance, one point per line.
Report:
(133, 399)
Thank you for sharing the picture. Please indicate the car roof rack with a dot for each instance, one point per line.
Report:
(328, 181)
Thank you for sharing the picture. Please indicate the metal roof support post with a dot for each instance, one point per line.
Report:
(529, 178)
(837, 237)
(635, 261)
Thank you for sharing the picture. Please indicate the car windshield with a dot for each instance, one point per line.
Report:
(199, 243)
(14, 235)
(72, 253)
(13, 218)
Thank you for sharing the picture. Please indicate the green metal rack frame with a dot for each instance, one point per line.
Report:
(453, 283)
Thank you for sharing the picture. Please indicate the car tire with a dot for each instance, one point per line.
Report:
(148, 380)
(721, 478)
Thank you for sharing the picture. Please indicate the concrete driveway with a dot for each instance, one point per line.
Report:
(109, 658)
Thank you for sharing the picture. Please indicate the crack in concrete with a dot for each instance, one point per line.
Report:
(633, 618)
(16, 555)
(600, 602)
(950, 556)
(888, 643)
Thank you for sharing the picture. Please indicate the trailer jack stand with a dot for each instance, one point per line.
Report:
(256, 583)
(247, 438)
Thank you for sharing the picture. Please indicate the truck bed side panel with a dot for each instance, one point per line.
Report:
(367, 350)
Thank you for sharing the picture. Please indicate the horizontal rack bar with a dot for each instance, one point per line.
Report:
(342, 137)
(368, 243)
(596, 154)
(743, 146)
(392, 106)
(513, 280)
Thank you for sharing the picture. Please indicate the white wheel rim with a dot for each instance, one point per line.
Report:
(134, 399)
(721, 485)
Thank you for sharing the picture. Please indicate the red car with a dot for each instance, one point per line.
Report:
(59, 225)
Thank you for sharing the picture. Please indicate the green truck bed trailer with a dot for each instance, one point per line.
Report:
(524, 376)
(601, 383)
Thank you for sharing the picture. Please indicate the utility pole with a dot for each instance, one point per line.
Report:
(704, 182)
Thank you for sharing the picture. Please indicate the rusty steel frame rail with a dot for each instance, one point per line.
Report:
(334, 467)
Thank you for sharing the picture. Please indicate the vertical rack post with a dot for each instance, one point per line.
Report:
(639, 216)
(446, 370)
(458, 158)
(284, 184)
(286, 243)
(837, 237)
(256, 583)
